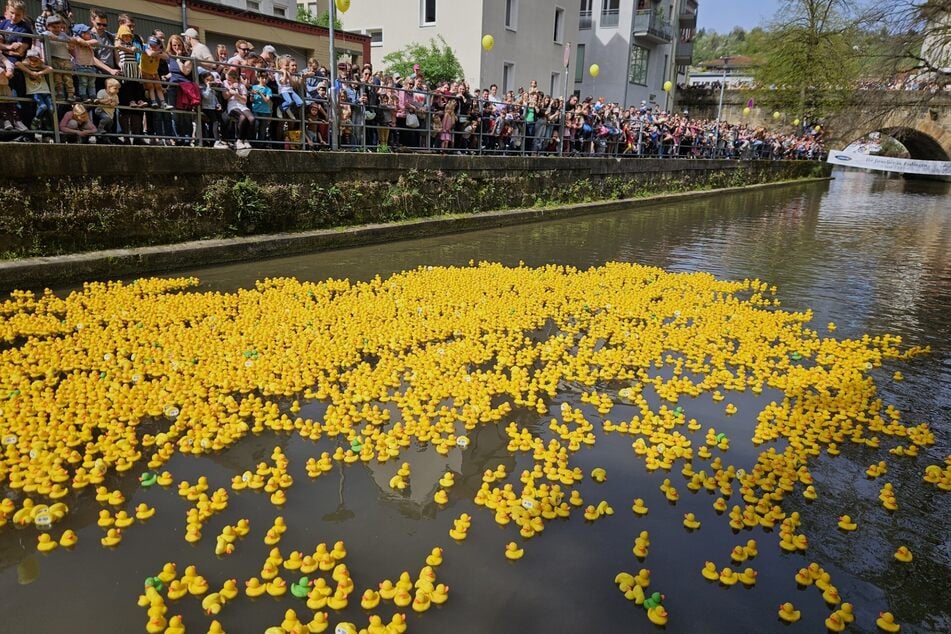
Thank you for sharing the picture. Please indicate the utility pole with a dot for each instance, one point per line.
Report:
(332, 67)
(672, 65)
(716, 144)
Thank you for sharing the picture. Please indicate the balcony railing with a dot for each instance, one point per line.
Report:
(609, 17)
(684, 54)
(649, 25)
(584, 20)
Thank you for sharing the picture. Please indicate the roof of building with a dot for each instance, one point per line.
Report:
(732, 61)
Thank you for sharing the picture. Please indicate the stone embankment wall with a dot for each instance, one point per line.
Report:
(70, 199)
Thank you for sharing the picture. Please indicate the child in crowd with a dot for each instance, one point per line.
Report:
(35, 72)
(107, 100)
(237, 95)
(211, 108)
(388, 116)
(84, 57)
(76, 126)
(448, 123)
(9, 117)
(149, 67)
(127, 55)
(261, 107)
(312, 78)
(61, 58)
(288, 83)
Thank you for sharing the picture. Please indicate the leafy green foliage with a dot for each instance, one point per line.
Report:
(305, 16)
(437, 61)
(710, 45)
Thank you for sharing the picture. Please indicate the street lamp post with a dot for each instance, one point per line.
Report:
(716, 143)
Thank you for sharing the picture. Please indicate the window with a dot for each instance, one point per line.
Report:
(376, 37)
(637, 73)
(280, 11)
(559, 33)
(508, 76)
(511, 14)
(555, 84)
(584, 17)
(254, 6)
(610, 9)
(579, 64)
(427, 12)
(312, 8)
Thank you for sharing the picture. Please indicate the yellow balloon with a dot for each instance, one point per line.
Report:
(594, 70)
(488, 42)
(668, 86)
(342, 5)
(746, 110)
(795, 121)
(776, 115)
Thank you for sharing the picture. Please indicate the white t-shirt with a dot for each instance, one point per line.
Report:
(239, 96)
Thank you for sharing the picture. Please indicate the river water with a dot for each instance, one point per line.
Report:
(870, 253)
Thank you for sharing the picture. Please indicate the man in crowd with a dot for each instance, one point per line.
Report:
(199, 51)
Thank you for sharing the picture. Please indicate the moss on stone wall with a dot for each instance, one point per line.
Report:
(69, 215)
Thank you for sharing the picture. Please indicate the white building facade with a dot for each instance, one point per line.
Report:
(530, 36)
(637, 44)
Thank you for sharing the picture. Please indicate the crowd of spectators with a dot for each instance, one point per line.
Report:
(89, 83)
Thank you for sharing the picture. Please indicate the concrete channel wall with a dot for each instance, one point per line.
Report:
(69, 200)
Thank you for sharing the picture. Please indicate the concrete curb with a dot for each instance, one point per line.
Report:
(59, 270)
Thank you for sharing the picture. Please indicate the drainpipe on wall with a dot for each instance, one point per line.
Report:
(672, 68)
(184, 16)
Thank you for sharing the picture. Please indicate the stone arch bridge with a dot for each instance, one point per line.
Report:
(920, 120)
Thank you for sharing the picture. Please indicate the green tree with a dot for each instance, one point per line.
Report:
(303, 15)
(437, 61)
(809, 60)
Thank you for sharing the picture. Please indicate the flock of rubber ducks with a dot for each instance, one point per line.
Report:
(80, 373)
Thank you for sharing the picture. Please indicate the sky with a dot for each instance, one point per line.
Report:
(723, 15)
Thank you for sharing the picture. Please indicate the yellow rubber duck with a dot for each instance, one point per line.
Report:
(846, 523)
(845, 612)
(319, 623)
(176, 590)
(788, 613)
(639, 507)
(105, 519)
(212, 603)
(728, 577)
(337, 601)
(834, 623)
(440, 594)
(370, 599)
(175, 625)
(113, 538)
(229, 590)
(513, 552)
(277, 587)
(831, 596)
(903, 554)
(448, 480)
(421, 602)
(397, 624)
(691, 522)
(402, 598)
(68, 539)
(435, 557)
(657, 615)
(294, 560)
(751, 549)
(387, 590)
(747, 577)
(45, 543)
(886, 622)
(710, 572)
(198, 586)
(143, 512)
(441, 497)
(339, 551)
(599, 475)
(803, 578)
(738, 555)
(719, 505)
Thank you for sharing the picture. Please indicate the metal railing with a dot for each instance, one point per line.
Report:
(649, 23)
(584, 20)
(375, 117)
(609, 17)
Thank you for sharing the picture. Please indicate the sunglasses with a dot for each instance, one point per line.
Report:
(102, 24)
(245, 50)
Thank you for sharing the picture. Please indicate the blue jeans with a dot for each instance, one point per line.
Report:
(44, 103)
(291, 99)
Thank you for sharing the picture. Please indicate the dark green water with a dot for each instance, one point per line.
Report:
(871, 254)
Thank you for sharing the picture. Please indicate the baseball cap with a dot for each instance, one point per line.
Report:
(154, 41)
(190, 32)
(34, 52)
(269, 49)
(54, 19)
(79, 29)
